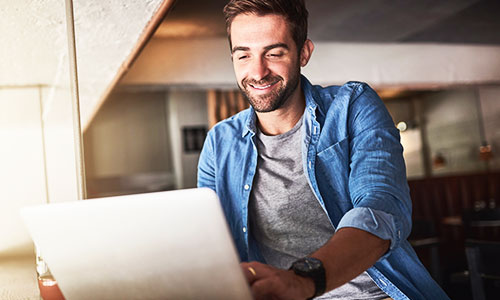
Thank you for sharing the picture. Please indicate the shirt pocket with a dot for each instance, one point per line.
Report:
(334, 157)
(332, 173)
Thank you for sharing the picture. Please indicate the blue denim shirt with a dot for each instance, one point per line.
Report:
(353, 162)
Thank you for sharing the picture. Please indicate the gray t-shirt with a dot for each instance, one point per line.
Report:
(286, 219)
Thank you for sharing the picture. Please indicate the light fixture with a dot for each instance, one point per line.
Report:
(402, 126)
(438, 161)
(485, 153)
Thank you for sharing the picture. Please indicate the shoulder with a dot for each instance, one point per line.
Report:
(358, 91)
(232, 126)
(349, 108)
(227, 137)
(344, 100)
(348, 92)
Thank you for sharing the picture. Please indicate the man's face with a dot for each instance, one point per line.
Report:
(265, 60)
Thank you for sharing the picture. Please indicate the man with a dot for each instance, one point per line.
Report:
(311, 179)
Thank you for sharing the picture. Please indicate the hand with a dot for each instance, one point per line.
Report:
(267, 282)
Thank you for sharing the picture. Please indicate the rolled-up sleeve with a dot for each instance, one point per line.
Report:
(376, 222)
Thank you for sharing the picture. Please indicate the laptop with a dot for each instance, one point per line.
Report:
(165, 245)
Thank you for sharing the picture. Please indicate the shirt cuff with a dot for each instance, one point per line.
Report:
(376, 222)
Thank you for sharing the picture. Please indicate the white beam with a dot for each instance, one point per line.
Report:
(206, 62)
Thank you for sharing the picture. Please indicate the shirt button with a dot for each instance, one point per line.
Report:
(244, 229)
(246, 187)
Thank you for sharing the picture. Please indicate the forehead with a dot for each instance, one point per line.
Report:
(250, 30)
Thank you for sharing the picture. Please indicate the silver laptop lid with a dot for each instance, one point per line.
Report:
(167, 245)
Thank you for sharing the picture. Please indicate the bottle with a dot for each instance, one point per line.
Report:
(49, 290)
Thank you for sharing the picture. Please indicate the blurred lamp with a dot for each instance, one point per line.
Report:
(438, 161)
(402, 126)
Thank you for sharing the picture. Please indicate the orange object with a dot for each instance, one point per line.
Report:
(49, 290)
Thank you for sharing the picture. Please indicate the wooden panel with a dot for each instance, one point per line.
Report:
(442, 201)
(440, 197)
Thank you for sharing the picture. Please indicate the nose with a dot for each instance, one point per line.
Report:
(258, 69)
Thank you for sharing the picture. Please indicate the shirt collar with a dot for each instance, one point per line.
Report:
(250, 126)
(311, 95)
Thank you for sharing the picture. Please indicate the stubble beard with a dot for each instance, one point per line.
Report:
(274, 99)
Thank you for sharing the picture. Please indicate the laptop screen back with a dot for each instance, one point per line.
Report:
(166, 245)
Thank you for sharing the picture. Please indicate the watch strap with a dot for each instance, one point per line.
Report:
(317, 273)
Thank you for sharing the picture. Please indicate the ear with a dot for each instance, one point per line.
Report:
(306, 52)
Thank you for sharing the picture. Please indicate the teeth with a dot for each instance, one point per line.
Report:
(261, 87)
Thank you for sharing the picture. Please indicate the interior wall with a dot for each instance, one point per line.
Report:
(411, 140)
(135, 142)
(129, 138)
(490, 104)
(186, 108)
(22, 176)
(37, 156)
(404, 110)
(451, 121)
(59, 143)
(408, 64)
(448, 122)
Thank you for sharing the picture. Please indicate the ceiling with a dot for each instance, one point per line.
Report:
(373, 21)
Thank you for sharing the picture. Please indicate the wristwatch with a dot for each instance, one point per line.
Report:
(311, 267)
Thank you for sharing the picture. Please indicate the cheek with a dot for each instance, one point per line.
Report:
(239, 72)
(284, 68)
(281, 70)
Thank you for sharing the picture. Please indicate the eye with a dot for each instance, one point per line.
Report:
(275, 55)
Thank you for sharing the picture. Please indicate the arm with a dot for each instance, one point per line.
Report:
(346, 255)
(349, 253)
(206, 169)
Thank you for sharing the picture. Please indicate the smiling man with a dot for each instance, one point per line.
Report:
(311, 179)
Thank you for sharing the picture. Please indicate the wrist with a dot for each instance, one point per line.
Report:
(306, 286)
(312, 270)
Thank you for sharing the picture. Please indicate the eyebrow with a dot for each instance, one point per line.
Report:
(278, 45)
(240, 48)
(267, 48)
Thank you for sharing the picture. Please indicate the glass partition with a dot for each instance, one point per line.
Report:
(125, 132)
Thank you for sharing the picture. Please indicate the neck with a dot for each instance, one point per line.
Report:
(283, 119)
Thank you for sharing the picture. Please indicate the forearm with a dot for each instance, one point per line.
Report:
(348, 253)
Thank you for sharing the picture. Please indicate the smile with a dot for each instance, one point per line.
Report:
(262, 87)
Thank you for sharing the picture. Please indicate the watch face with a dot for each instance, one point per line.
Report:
(311, 268)
(307, 264)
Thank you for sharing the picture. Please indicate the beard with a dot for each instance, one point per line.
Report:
(275, 98)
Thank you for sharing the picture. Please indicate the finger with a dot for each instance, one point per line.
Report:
(264, 289)
(250, 272)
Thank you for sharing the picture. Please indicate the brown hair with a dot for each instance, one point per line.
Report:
(294, 11)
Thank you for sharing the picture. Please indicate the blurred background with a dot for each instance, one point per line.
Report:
(153, 76)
